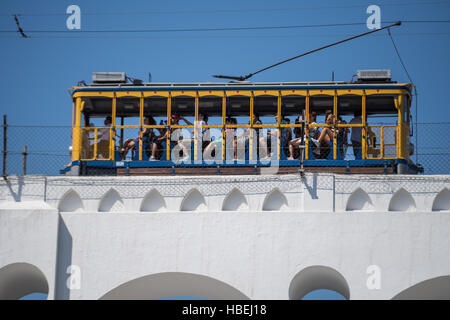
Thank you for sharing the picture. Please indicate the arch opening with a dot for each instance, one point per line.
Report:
(402, 201)
(71, 202)
(359, 200)
(315, 278)
(18, 280)
(167, 285)
(193, 201)
(111, 202)
(442, 201)
(275, 201)
(432, 289)
(153, 202)
(235, 201)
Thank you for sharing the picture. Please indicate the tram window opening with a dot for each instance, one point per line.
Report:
(157, 108)
(184, 107)
(381, 110)
(382, 119)
(292, 110)
(96, 116)
(127, 112)
(238, 113)
(321, 105)
(266, 108)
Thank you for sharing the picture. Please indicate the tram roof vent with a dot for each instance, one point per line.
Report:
(374, 75)
(109, 77)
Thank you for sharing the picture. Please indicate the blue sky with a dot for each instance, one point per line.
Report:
(37, 72)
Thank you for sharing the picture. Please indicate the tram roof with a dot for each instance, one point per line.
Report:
(244, 85)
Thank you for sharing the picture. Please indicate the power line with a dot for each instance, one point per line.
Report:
(231, 11)
(221, 29)
(255, 36)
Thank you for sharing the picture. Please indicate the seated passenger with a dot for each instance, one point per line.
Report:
(285, 137)
(209, 151)
(147, 137)
(342, 137)
(175, 135)
(356, 136)
(326, 135)
(294, 144)
(204, 135)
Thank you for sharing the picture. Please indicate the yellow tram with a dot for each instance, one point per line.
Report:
(367, 122)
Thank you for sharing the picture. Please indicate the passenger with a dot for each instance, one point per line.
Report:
(175, 135)
(285, 137)
(326, 135)
(157, 143)
(342, 137)
(294, 144)
(103, 137)
(356, 135)
(202, 121)
(147, 136)
(217, 142)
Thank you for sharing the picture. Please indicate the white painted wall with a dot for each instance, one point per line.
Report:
(254, 251)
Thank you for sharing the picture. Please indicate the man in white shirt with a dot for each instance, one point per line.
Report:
(356, 135)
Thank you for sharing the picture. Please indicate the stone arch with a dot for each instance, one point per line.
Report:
(153, 202)
(432, 289)
(442, 201)
(111, 202)
(402, 201)
(359, 200)
(71, 202)
(193, 201)
(315, 278)
(235, 201)
(20, 279)
(275, 201)
(171, 284)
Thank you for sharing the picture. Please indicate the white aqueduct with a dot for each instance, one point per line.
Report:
(225, 237)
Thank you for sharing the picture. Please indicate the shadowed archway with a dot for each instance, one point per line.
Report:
(432, 289)
(20, 279)
(172, 284)
(315, 278)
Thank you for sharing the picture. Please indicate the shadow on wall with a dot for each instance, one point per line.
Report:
(359, 201)
(275, 201)
(63, 261)
(442, 201)
(432, 289)
(71, 202)
(111, 202)
(315, 278)
(153, 202)
(20, 279)
(174, 284)
(402, 201)
(235, 201)
(193, 201)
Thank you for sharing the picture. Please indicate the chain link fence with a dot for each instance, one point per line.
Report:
(47, 148)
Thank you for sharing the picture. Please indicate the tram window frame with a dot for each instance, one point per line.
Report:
(321, 110)
(267, 114)
(93, 116)
(151, 107)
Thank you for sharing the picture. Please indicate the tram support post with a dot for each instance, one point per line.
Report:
(5, 140)
(301, 157)
(24, 153)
